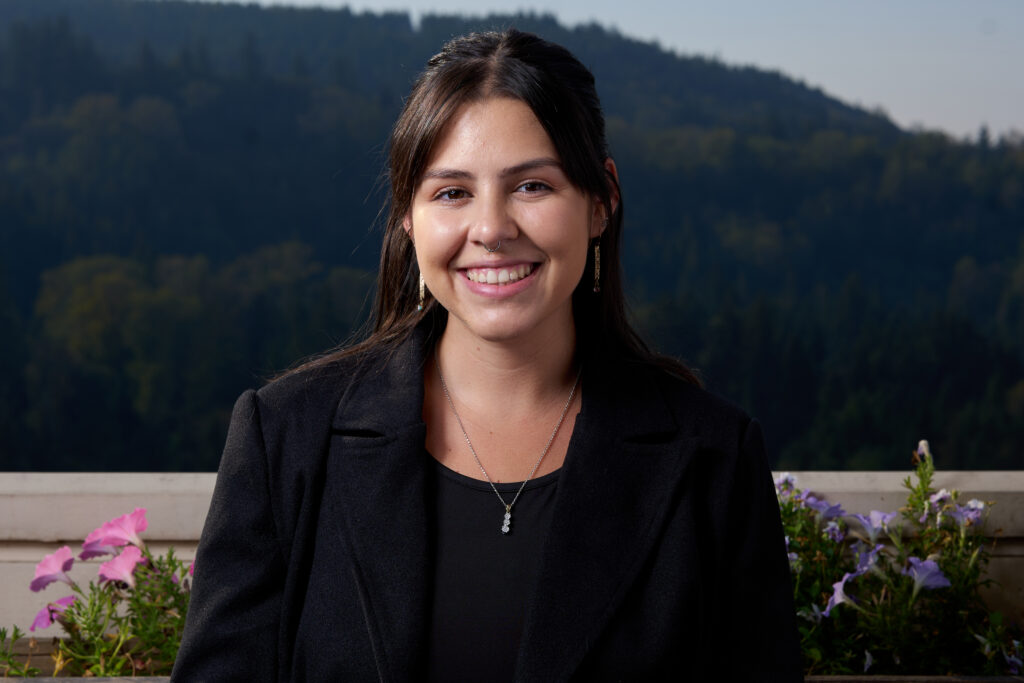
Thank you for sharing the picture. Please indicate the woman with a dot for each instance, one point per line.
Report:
(501, 482)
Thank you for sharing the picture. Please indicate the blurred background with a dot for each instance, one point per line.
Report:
(824, 212)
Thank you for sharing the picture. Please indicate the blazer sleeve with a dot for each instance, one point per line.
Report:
(760, 609)
(231, 631)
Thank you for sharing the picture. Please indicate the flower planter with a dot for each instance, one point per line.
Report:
(910, 679)
(31, 526)
(809, 679)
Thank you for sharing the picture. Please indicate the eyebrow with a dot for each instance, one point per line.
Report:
(458, 174)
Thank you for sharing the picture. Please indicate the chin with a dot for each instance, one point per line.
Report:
(506, 326)
(498, 333)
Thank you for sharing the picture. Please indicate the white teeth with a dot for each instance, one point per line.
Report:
(499, 276)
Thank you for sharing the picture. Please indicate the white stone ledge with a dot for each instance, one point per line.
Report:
(45, 506)
(861, 492)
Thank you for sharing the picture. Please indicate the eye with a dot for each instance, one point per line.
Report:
(533, 187)
(451, 194)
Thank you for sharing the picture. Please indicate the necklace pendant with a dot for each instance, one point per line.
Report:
(506, 523)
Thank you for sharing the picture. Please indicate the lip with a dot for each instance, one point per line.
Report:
(499, 291)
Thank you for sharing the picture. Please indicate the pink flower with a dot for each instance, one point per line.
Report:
(122, 567)
(47, 615)
(192, 568)
(54, 567)
(116, 533)
(94, 547)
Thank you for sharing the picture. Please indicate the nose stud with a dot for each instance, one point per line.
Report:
(491, 250)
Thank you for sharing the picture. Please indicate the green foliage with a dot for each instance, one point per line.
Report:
(119, 630)
(10, 664)
(157, 609)
(132, 360)
(903, 597)
(129, 622)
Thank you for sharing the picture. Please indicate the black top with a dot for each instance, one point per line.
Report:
(316, 562)
(483, 578)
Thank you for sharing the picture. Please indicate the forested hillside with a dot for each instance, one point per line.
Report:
(190, 197)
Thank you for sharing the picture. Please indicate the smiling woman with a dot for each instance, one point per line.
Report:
(501, 482)
(501, 233)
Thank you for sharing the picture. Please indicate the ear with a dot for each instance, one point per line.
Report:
(613, 182)
(601, 216)
(407, 226)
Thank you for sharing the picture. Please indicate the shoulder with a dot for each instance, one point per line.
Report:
(293, 414)
(309, 386)
(694, 409)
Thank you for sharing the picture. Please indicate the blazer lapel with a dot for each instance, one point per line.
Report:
(376, 487)
(614, 492)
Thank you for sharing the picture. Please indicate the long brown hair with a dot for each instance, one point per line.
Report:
(562, 95)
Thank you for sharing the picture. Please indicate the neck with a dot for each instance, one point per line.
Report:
(515, 376)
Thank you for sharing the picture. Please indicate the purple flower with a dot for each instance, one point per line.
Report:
(785, 484)
(794, 560)
(812, 615)
(969, 514)
(923, 451)
(834, 532)
(122, 567)
(875, 523)
(986, 645)
(936, 502)
(48, 614)
(865, 561)
(1013, 660)
(1014, 664)
(54, 567)
(839, 595)
(116, 533)
(825, 511)
(868, 660)
(926, 574)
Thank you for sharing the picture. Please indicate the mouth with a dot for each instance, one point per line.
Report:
(500, 276)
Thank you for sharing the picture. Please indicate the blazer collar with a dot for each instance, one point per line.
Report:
(614, 491)
(376, 489)
(385, 396)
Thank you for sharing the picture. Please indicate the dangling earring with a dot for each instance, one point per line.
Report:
(423, 293)
(597, 266)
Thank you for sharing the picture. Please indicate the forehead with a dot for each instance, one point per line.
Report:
(491, 131)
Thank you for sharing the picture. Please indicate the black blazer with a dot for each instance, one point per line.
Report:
(664, 560)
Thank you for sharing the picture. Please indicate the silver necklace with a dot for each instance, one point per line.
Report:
(506, 523)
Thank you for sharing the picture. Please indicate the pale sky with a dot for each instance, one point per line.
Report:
(951, 65)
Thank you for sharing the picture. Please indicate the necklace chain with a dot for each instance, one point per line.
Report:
(507, 521)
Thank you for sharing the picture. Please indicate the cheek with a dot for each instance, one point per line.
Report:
(569, 237)
(438, 238)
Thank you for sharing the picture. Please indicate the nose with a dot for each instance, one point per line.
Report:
(492, 221)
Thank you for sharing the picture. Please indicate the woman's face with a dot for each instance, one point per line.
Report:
(495, 176)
